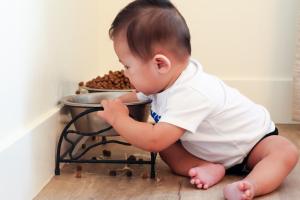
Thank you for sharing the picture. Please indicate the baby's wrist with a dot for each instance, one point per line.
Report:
(119, 119)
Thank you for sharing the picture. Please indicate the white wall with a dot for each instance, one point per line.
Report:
(48, 46)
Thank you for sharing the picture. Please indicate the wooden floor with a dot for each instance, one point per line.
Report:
(96, 183)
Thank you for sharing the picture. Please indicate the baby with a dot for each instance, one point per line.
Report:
(204, 128)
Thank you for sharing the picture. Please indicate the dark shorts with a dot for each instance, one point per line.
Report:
(242, 168)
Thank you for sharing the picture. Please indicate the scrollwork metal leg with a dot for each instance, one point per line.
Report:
(64, 133)
(153, 158)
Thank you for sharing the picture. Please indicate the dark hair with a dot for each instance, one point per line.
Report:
(150, 22)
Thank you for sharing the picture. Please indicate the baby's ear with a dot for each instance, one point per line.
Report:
(162, 63)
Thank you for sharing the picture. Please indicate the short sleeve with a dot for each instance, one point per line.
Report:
(142, 97)
(187, 108)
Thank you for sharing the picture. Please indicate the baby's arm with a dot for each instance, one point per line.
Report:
(140, 134)
(129, 97)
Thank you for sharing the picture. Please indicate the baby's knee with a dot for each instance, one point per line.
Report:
(290, 154)
(294, 152)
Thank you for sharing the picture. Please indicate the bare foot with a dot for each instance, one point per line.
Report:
(240, 190)
(205, 176)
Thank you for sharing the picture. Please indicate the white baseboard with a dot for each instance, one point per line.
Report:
(27, 163)
(274, 94)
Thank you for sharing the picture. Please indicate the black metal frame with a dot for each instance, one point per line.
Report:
(64, 136)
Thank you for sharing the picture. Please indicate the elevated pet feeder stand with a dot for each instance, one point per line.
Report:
(68, 156)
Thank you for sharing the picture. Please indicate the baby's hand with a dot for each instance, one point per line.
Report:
(112, 109)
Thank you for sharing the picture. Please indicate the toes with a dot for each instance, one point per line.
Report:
(200, 185)
(247, 195)
(197, 181)
(242, 186)
(192, 181)
(241, 190)
(192, 172)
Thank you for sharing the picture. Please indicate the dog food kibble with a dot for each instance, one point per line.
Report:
(81, 83)
(112, 80)
(128, 173)
(78, 174)
(112, 172)
(78, 168)
(78, 171)
(106, 153)
(144, 175)
(131, 158)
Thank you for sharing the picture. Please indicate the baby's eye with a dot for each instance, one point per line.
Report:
(126, 67)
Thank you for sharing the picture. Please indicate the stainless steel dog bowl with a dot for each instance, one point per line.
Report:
(93, 123)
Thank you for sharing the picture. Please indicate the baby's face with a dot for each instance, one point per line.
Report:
(141, 74)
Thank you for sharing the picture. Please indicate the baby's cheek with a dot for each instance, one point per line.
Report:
(126, 73)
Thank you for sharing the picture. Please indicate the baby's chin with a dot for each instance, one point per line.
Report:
(147, 93)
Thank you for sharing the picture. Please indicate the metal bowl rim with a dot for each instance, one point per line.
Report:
(106, 90)
(65, 101)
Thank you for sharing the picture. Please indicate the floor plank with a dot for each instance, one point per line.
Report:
(97, 184)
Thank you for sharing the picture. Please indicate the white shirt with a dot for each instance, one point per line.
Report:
(221, 124)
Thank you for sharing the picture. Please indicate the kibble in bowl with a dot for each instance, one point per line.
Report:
(113, 81)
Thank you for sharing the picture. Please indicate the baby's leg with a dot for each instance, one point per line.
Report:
(203, 174)
(271, 161)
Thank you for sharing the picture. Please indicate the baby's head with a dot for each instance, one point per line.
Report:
(152, 41)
